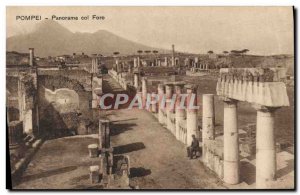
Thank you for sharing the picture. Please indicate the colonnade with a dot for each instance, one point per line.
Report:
(268, 97)
(180, 121)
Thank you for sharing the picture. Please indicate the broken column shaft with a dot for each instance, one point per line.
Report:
(136, 79)
(161, 103)
(231, 143)
(208, 119)
(144, 91)
(104, 134)
(265, 148)
(169, 105)
(31, 56)
(191, 114)
(179, 112)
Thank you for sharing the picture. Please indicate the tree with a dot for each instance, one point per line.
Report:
(225, 52)
(235, 52)
(116, 53)
(210, 52)
(147, 51)
(155, 51)
(244, 51)
(139, 51)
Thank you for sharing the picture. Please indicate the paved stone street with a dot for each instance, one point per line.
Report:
(157, 159)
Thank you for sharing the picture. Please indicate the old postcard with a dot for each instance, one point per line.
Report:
(150, 97)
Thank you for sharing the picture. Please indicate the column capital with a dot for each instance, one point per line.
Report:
(191, 88)
(264, 108)
(228, 100)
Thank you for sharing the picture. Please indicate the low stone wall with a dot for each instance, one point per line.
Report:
(214, 157)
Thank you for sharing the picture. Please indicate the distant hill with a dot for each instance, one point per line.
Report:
(52, 39)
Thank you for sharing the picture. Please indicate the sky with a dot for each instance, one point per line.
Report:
(262, 30)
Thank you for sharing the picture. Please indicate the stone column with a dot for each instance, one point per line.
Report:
(169, 109)
(208, 117)
(153, 106)
(136, 79)
(138, 62)
(231, 143)
(161, 104)
(135, 63)
(104, 134)
(208, 126)
(166, 61)
(265, 148)
(173, 61)
(179, 112)
(27, 121)
(158, 63)
(31, 56)
(94, 63)
(129, 68)
(100, 134)
(144, 91)
(191, 114)
(117, 65)
(21, 100)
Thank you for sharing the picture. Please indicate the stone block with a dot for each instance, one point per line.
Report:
(94, 174)
(93, 150)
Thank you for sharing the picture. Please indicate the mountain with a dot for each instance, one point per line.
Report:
(51, 39)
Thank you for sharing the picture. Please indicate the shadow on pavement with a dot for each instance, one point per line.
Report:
(248, 172)
(286, 170)
(139, 172)
(117, 129)
(129, 148)
(48, 173)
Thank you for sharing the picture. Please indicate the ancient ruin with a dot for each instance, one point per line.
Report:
(195, 110)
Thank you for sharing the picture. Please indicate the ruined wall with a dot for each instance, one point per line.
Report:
(12, 98)
(64, 97)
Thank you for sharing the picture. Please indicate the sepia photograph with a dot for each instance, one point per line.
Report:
(150, 98)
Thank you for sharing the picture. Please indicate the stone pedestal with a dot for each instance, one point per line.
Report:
(94, 174)
(231, 143)
(93, 150)
(265, 148)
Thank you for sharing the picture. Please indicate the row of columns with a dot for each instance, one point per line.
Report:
(201, 66)
(265, 140)
(265, 145)
(174, 62)
(166, 109)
